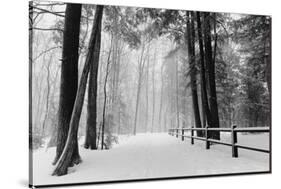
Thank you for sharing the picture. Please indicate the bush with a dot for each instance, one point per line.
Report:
(35, 141)
(110, 139)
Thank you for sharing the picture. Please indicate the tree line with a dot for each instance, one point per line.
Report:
(213, 69)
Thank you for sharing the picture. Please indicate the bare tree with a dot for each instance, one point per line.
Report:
(141, 64)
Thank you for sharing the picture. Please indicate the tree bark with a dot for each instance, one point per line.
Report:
(190, 33)
(205, 107)
(211, 74)
(91, 127)
(69, 77)
(65, 159)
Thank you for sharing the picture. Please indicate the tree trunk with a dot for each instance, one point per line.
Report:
(211, 74)
(190, 33)
(161, 101)
(69, 77)
(91, 127)
(30, 33)
(177, 94)
(47, 96)
(153, 91)
(137, 105)
(205, 107)
(71, 144)
(147, 91)
(105, 97)
(140, 73)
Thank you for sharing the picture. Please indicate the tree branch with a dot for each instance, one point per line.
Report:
(47, 29)
(50, 4)
(46, 52)
(50, 12)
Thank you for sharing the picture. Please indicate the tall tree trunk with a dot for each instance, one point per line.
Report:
(147, 91)
(105, 97)
(183, 106)
(171, 103)
(30, 132)
(91, 127)
(165, 121)
(115, 67)
(137, 105)
(47, 96)
(205, 107)
(69, 78)
(153, 91)
(71, 144)
(267, 60)
(177, 94)
(203, 111)
(190, 33)
(161, 100)
(211, 74)
(53, 141)
(141, 64)
(118, 91)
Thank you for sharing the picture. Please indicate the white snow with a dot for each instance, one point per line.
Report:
(154, 156)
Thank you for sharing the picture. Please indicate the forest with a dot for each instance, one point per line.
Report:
(100, 72)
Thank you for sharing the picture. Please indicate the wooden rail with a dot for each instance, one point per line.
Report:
(233, 130)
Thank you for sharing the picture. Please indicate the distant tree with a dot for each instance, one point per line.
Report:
(147, 90)
(161, 101)
(253, 33)
(105, 98)
(141, 64)
(153, 90)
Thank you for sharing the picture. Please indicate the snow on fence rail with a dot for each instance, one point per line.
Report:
(233, 130)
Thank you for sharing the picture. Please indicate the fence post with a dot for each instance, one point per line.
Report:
(182, 133)
(234, 141)
(192, 134)
(207, 137)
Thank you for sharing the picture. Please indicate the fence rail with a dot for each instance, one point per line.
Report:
(234, 140)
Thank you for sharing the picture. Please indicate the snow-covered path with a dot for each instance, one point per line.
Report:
(154, 156)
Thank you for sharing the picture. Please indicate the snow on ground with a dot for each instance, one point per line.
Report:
(154, 156)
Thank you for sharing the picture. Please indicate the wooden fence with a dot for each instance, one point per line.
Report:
(234, 140)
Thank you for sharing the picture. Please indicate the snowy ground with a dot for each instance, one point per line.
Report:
(153, 156)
